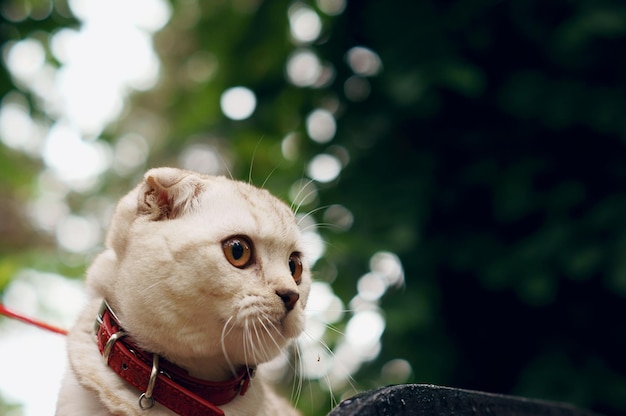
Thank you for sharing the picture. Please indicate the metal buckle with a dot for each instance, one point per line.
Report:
(245, 382)
(98, 323)
(147, 396)
(104, 306)
(106, 352)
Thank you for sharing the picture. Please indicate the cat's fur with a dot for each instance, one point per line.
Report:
(165, 275)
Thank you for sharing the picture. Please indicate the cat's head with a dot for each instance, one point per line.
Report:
(201, 266)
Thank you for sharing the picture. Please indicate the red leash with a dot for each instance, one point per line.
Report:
(4, 311)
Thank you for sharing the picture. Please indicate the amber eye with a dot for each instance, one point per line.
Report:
(238, 251)
(295, 265)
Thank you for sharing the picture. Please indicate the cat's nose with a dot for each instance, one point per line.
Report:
(289, 298)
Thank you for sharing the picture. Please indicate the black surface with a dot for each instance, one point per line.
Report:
(420, 399)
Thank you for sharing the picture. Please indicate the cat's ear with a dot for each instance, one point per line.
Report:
(168, 193)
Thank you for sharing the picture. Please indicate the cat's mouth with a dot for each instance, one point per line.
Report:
(254, 340)
(262, 318)
(268, 321)
(255, 307)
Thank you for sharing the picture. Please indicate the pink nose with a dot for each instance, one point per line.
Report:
(289, 298)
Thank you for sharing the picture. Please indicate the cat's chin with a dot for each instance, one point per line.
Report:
(267, 320)
(292, 326)
(256, 342)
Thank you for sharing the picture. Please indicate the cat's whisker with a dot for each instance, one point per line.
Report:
(333, 400)
(225, 164)
(271, 333)
(232, 326)
(310, 213)
(262, 346)
(270, 329)
(317, 314)
(334, 329)
(258, 352)
(269, 176)
(252, 344)
(223, 343)
(304, 198)
(295, 366)
(246, 341)
(297, 197)
(333, 310)
(275, 329)
(326, 225)
(298, 373)
(267, 330)
(350, 380)
(256, 148)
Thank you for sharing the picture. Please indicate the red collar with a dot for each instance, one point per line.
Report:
(159, 379)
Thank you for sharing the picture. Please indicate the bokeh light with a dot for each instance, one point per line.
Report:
(202, 158)
(25, 58)
(389, 266)
(147, 15)
(78, 234)
(371, 286)
(131, 152)
(364, 330)
(331, 7)
(357, 88)
(321, 126)
(303, 68)
(47, 211)
(238, 103)
(201, 66)
(305, 25)
(303, 192)
(361, 341)
(100, 65)
(17, 129)
(311, 239)
(364, 61)
(324, 168)
(396, 371)
(290, 146)
(339, 217)
(76, 161)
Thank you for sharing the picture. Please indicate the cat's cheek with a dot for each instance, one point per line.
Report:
(293, 324)
(304, 289)
(102, 274)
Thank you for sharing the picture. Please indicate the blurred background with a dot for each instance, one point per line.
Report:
(463, 161)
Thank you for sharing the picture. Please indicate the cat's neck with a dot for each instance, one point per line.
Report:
(214, 368)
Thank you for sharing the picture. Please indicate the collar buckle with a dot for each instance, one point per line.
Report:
(147, 395)
(105, 308)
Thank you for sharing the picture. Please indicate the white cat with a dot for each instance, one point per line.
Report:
(203, 278)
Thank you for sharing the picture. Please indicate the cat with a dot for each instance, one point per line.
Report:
(202, 279)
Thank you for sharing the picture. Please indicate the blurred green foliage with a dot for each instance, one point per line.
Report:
(490, 156)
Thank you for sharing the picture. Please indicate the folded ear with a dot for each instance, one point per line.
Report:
(168, 193)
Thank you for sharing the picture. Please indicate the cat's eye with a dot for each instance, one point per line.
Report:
(238, 251)
(295, 266)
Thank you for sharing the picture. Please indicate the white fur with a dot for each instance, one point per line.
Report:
(165, 275)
